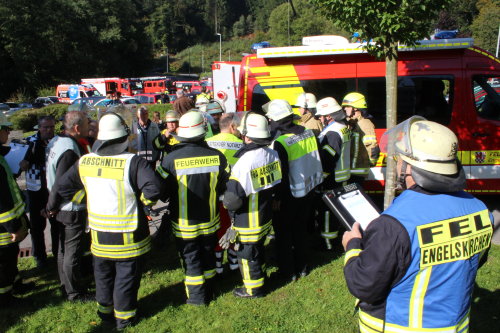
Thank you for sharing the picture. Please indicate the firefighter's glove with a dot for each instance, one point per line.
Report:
(228, 238)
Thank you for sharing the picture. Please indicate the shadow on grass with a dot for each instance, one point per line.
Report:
(485, 315)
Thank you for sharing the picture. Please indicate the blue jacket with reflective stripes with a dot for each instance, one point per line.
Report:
(448, 232)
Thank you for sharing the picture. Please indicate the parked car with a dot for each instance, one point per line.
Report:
(44, 101)
(18, 106)
(146, 98)
(90, 101)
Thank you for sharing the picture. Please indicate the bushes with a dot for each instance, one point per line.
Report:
(25, 120)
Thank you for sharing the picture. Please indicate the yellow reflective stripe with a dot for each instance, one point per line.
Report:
(245, 269)
(128, 238)
(161, 172)
(213, 195)
(351, 254)
(329, 150)
(251, 284)
(253, 210)
(369, 139)
(121, 251)
(182, 192)
(104, 309)
(5, 290)
(14, 213)
(371, 324)
(125, 314)
(193, 234)
(120, 196)
(146, 201)
(194, 280)
(195, 227)
(209, 274)
(78, 197)
(5, 238)
(417, 297)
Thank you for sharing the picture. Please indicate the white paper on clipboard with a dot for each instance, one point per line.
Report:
(360, 209)
(16, 154)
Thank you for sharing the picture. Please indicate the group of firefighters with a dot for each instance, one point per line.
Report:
(254, 173)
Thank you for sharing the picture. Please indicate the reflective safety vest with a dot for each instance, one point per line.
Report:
(19, 206)
(343, 167)
(226, 143)
(447, 240)
(305, 170)
(111, 201)
(256, 171)
(360, 162)
(56, 147)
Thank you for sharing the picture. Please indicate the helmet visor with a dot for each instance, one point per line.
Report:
(397, 139)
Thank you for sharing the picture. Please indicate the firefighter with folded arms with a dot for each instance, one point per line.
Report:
(227, 142)
(13, 222)
(195, 176)
(297, 149)
(249, 198)
(118, 184)
(413, 268)
(335, 152)
(355, 106)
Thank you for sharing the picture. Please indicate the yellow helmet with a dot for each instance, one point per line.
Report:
(356, 100)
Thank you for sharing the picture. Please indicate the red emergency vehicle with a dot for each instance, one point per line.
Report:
(225, 77)
(438, 79)
(112, 85)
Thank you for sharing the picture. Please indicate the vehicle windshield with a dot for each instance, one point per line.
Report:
(486, 91)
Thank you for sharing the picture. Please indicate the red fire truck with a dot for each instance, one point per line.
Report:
(448, 81)
(112, 85)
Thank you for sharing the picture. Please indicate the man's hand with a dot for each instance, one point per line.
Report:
(354, 233)
(19, 235)
(24, 165)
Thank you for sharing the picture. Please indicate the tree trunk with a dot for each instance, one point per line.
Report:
(391, 79)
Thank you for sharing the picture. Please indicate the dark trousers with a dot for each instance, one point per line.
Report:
(73, 243)
(117, 284)
(251, 261)
(8, 268)
(290, 227)
(198, 259)
(37, 202)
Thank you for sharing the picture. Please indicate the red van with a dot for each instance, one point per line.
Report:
(448, 81)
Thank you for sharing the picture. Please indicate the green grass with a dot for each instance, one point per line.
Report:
(318, 303)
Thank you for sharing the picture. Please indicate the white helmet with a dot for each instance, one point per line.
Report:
(254, 125)
(172, 116)
(201, 103)
(327, 106)
(191, 125)
(306, 101)
(112, 126)
(214, 108)
(424, 144)
(277, 109)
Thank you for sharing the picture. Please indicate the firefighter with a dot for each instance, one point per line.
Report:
(227, 142)
(214, 109)
(62, 153)
(195, 176)
(354, 105)
(166, 140)
(117, 184)
(335, 144)
(306, 102)
(13, 221)
(297, 149)
(413, 268)
(249, 198)
(203, 94)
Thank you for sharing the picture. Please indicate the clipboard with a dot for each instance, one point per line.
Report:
(16, 154)
(351, 204)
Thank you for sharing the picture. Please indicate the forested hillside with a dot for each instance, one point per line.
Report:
(44, 42)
